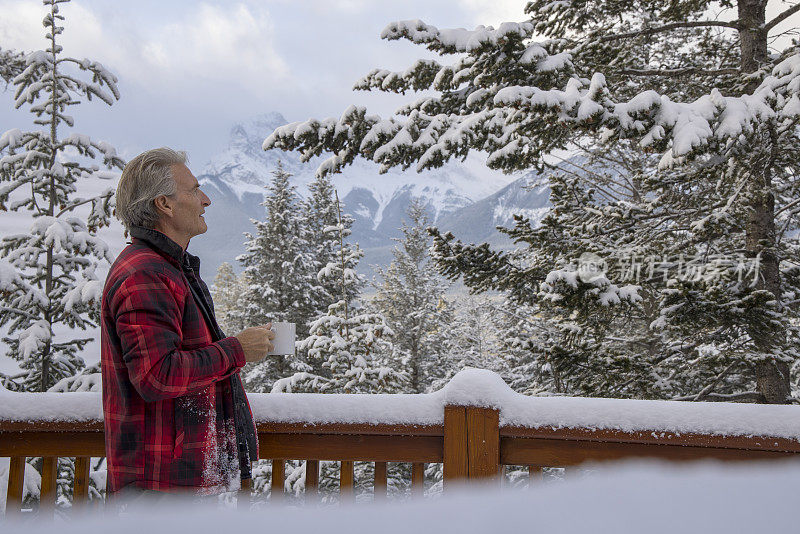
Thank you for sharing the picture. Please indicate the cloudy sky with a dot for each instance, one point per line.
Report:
(188, 70)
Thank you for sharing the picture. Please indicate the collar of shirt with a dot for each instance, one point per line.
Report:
(167, 247)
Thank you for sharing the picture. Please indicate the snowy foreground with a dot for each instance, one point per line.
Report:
(628, 498)
(470, 387)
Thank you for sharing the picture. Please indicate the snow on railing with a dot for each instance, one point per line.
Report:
(470, 387)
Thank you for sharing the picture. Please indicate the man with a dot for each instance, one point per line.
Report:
(176, 415)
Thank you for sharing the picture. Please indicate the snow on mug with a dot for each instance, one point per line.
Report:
(284, 339)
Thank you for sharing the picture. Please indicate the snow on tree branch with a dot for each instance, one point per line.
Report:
(451, 41)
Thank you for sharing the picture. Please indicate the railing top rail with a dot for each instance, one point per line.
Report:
(763, 443)
(520, 415)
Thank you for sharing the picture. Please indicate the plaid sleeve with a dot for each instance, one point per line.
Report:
(148, 310)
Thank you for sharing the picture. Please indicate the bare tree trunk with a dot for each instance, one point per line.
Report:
(772, 376)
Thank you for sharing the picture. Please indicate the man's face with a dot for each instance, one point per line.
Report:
(188, 204)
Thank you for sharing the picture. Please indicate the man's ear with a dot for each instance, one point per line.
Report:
(163, 205)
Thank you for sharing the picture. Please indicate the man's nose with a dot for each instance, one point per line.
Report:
(205, 200)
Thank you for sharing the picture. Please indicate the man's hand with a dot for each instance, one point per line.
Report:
(256, 342)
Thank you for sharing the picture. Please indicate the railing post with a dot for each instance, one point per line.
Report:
(380, 483)
(278, 480)
(418, 479)
(455, 444)
(471, 443)
(49, 488)
(16, 476)
(535, 474)
(346, 482)
(312, 478)
(80, 491)
(483, 441)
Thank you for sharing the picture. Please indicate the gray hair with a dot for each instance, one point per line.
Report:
(145, 178)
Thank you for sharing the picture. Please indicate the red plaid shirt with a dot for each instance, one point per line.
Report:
(169, 415)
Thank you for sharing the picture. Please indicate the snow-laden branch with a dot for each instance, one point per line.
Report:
(17, 311)
(417, 77)
(458, 39)
(81, 202)
(490, 120)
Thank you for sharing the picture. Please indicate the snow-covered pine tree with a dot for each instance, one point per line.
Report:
(12, 64)
(228, 291)
(410, 295)
(720, 108)
(279, 272)
(47, 276)
(525, 344)
(474, 339)
(349, 340)
(623, 333)
(348, 350)
(582, 344)
(322, 213)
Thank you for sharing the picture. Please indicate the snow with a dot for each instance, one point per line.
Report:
(532, 53)
(9, 276)
(470, 387)
(504, 215)
(624, 499)
(50, 407)
(11, 137)
(568, 276)
(33, 338)
(555, 62)
(458, 39)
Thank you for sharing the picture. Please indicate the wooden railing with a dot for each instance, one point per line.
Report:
(471, 443)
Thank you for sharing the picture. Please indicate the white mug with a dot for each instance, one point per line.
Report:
(284, 339)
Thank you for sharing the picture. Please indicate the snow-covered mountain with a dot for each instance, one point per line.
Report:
(235, 180)
(478, 222)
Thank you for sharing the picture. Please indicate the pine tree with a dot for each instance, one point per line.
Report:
(348, 351)
(526, 343)
(411, 297)
(599, 340)
(47, 276)
(704, 93)
(323, 214)
(279, 271)
(473, 339)
(347, 341)
(12, 63)
(228, 291)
